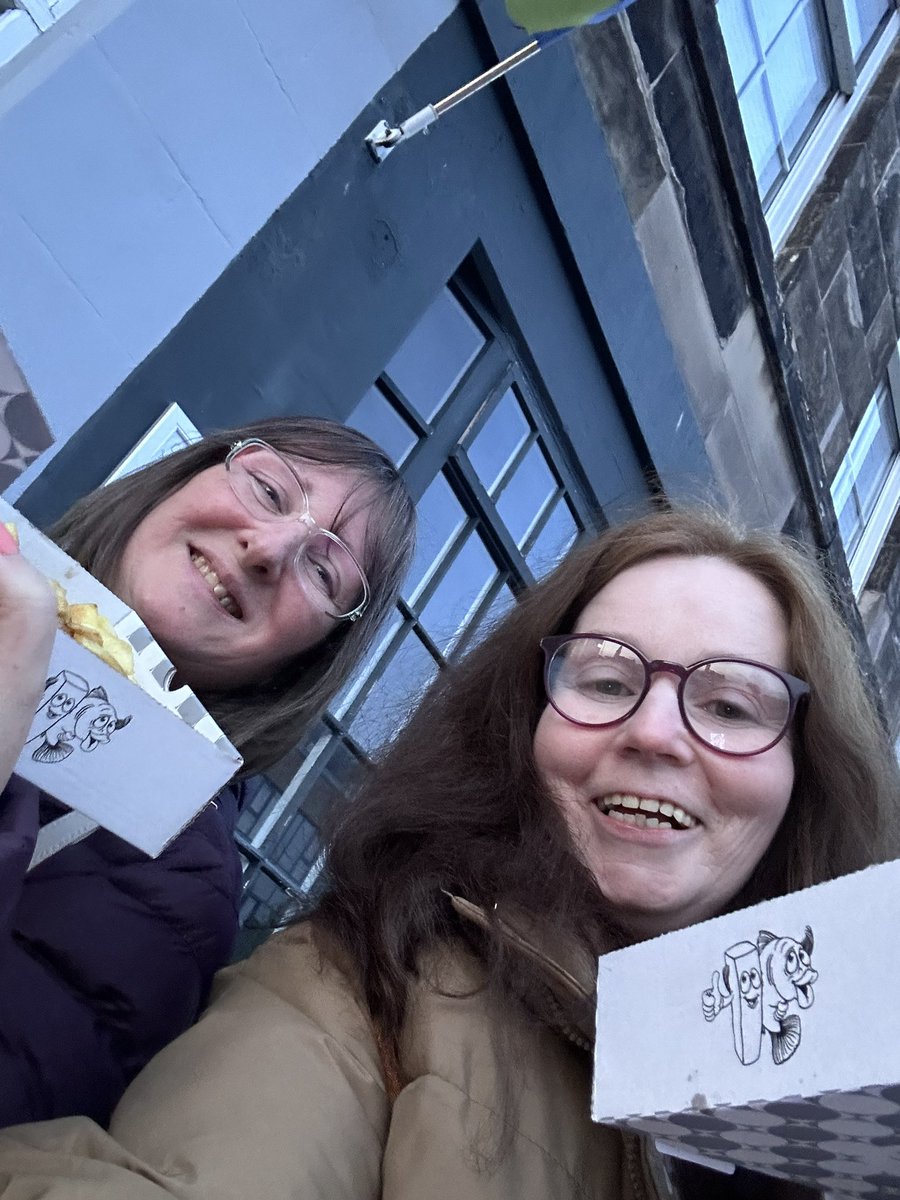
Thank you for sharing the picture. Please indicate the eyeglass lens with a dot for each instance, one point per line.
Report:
(734, 707)
(270, 491)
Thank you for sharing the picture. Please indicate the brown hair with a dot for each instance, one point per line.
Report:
(265, 720)
(457, 804)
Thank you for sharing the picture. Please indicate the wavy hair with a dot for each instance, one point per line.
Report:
(265, 720)
(456, 804)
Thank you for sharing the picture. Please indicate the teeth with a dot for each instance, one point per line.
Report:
(218, 589)
(637, 811)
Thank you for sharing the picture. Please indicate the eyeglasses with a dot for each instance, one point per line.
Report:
(732, 705)
(326, 568)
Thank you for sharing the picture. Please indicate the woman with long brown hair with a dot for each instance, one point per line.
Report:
(669, 726)
(263, 560)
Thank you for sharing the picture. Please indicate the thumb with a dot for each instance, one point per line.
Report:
(8, 544)
(715, 982)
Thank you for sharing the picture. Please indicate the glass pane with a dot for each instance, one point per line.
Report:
(263, 901)
(740, 43)
(378, 419)
(333, 782)
(436, 355)
(845, 506)
(762, 137)
(553, 541)
(501, 604)
(863, 18)
(350, 690)
(872, 451)
(525, 496)
(503, 433)
(459, 594)
(259, 794)
(441, 517)
(771, 16)
(394, 695)
(295, 847)
(798, 73)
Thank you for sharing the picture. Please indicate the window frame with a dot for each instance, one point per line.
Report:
(826, 134)
(851, 84)
(875, 530)
(442, 449)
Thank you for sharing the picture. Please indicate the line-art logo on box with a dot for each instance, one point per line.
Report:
(71, 715)
(761, 983)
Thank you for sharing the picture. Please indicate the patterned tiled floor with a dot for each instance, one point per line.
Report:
(23, 431)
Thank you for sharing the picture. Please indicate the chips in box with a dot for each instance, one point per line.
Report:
(119, 748)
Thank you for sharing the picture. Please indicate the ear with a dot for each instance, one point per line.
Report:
(726, 976)
(807, 942)
(121, 722)
(99, 693)
(764, 938)
(52, 682)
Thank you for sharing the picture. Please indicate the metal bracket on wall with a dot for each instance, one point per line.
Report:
(381, 140)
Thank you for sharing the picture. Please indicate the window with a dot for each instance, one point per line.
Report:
(866, 489)
(22, 20)
(800, 68)
(497, 508)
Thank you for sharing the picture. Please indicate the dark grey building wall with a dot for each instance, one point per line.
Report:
(840, 274)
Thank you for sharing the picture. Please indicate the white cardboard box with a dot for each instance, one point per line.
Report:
(791, 1066)
(132, 756)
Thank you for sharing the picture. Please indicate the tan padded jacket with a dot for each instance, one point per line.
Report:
(278, 1092)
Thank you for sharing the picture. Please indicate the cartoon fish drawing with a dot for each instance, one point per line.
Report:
(788, 978)
(759, 983)
(87, 724)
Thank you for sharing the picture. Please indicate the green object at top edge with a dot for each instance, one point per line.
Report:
(537, 16)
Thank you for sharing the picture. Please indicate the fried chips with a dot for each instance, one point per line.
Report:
(87, 625)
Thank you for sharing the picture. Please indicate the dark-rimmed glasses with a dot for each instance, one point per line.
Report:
(732, 705)
(326, 568)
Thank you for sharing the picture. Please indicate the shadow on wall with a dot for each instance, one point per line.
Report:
(24, 432)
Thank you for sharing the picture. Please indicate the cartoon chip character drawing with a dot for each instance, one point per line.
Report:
(759, 983)
(61, 693)
(739, 989)
(69, 716)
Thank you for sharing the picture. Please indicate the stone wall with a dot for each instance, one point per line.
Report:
(840, 274)
(639, 76)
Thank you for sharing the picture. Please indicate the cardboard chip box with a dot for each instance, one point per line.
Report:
(125, 752)
(768, 1038)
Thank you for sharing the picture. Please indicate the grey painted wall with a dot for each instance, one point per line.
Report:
(143, 143)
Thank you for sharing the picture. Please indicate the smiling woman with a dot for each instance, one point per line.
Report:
(695, 736)
(262, 560)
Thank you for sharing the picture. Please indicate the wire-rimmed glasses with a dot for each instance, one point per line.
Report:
(270, 489)
(732, 705)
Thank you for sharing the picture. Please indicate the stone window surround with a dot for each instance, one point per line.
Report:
(790, 199)
(882, 516)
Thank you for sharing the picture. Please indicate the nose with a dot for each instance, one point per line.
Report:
(657, 728)
(269, 548)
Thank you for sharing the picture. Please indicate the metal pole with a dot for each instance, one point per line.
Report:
(488, 77)
(383, 138)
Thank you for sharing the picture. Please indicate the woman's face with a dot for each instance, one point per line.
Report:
(200, 537)
(681, 610)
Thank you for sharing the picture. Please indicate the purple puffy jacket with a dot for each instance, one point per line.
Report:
(106, 955)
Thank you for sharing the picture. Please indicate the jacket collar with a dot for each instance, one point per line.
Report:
(568, 972)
